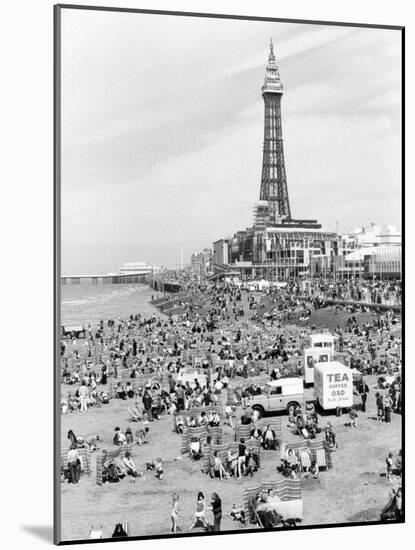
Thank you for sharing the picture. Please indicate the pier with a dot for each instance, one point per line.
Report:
(104, 279)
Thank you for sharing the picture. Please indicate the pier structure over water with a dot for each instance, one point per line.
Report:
(111, 279)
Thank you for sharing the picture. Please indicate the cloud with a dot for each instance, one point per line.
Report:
(163, 128)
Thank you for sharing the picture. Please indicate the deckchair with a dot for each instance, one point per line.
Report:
(305, 460)
(321, 458)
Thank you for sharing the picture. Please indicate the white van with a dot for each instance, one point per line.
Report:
(313, 356)
(323, 340)
(333, 385)
(279, 395)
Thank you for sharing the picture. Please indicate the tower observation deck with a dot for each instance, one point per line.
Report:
(274, 192)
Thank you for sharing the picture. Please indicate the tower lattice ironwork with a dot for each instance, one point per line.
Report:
(273, 181)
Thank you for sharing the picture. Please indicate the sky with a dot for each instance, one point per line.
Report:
(162, 130)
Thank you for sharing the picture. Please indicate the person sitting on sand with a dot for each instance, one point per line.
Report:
(238, 513)
(246, 417)
(233, 462)
(129, 390)
(203, 419)
(120, 391)
(119, 531)
(179, 424)
(270, 441)
(215, 420)
(291, 464)
(195, 449)
(251, 463)
(136, 412)
(272, 497)
(158, 466)
(129, 436)
(217, 466)
(119, 437)
(129, 465)
(95, 533)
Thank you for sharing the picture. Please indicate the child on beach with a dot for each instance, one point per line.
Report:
(389, 465)
(158, 465)
(200, 512)
(353, 418)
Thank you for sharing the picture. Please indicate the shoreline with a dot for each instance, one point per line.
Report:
(88, 304)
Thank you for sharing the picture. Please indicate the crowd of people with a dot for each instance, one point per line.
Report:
(221, 336)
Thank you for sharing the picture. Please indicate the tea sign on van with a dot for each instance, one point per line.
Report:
(338, 377)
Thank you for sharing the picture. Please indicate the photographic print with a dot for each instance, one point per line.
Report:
(229, 293)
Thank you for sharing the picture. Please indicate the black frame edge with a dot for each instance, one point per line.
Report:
(56, 267)
(57, 12)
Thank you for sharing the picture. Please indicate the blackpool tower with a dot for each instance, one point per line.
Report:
(274, 190)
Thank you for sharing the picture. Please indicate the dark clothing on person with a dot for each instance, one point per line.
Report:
(74, 471)
(217, 513)
(172, 385)
(364, 390)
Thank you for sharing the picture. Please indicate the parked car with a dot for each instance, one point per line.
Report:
(279, 395)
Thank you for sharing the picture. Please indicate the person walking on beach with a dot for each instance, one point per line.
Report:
(174, 514)
(216, 507)
(364, 390)
(387, 407)
(379, 405)
(83, 394)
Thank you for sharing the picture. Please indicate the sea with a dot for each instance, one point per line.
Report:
(83, 304)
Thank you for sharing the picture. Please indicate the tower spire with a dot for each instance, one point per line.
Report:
(273, 181)
(272, 81)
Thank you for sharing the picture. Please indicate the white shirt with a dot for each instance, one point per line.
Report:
(121, 438)
(72, 455)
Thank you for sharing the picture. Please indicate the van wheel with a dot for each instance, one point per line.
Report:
(259, 410)
(292, 404)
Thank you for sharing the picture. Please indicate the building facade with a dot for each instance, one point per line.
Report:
(201, 264)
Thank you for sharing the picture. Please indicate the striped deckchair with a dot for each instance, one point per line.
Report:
(196, 412)
(319, 450)
(107, 454)
(305, 460)
(243, 431)
(201, 433)
(286, 489)
(223, 449)
(322, 453)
